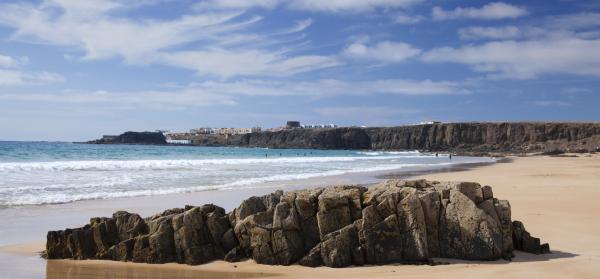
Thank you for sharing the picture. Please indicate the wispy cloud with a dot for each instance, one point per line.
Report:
(386, 51)
(216, 93)
(477, 32)
(237, 4)
(337, 6)
(225, 44)
(12, 73)
(550, 103)
(525, 59)
(491, 11)
(404, 18)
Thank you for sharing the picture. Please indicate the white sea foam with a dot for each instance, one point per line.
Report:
(63, 197)
(107, 165)
(36, 182)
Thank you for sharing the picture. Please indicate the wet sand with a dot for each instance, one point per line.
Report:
(556, 197)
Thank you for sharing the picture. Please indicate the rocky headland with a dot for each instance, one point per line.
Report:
(470, 138)
(392, 222)
(149, 138)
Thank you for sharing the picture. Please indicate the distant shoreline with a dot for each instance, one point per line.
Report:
(471, 138)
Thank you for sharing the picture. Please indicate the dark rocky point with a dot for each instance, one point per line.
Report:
(392, 222)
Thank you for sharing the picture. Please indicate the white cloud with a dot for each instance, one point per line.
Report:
(334, 87)
(11, 73)
(300, 26)
(11, 62)
(549, 103)
(491, 11)
(237, 4)
(510, 32)
(212, 93)
(223, 44)
(227, 64)
(386, 51)
(19, 77)
(352, 6)
(575, 21)
(525, 59)
(408, 19)
(477, 32)
(329, 6)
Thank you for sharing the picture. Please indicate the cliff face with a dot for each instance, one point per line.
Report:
(340, 138)
(484, 137)
(135, 138)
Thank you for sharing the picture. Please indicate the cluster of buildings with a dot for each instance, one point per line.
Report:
(187, 138)
(290, 125)
(225, 131)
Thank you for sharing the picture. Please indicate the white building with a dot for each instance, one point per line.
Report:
(179, 141)
(203, 130)
(319, 126)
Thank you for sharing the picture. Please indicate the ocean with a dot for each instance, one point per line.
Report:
(34, 173)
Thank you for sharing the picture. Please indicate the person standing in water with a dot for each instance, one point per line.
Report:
(450, 156)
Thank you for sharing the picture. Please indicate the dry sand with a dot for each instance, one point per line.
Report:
(558, 199)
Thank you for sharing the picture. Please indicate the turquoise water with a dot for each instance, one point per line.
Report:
(43, 172)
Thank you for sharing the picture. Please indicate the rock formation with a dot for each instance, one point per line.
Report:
(149, 138)
(392, 222)
(457, 137)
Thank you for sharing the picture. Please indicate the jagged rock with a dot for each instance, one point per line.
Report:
(523, 241)
(105, 235)
(381, 240)
(412, 226)
(57, 244)
(288, 245)
(341, 248)
(431, 204)
(338, 207)
(193, 243)
(504, 215)
(467, 232)
(487, 192)
(306, 204)
(234, 255)
(161, 243)
(81, 243)
(392, 222)
(123, 251)
(472, 190)
(313, 258)
(129, 225)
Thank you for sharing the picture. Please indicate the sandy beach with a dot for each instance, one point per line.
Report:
(556, 197)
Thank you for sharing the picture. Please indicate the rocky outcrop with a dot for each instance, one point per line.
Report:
(457, 137)
(392, 222)
(149, 138)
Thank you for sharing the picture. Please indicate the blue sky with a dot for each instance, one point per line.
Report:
(73, 70)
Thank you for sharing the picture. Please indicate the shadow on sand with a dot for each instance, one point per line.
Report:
(520, 257)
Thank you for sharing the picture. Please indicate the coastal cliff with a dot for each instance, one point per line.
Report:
(392, 222)
(473, 137)
(133, 138)
(468, 137)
